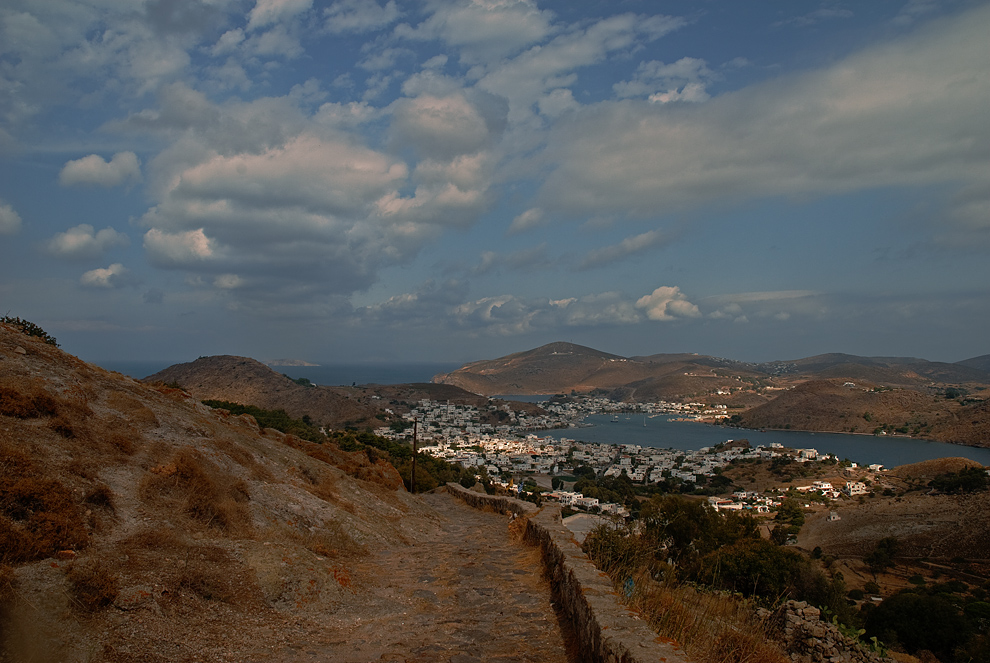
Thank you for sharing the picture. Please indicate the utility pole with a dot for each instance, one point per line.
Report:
(412, 479)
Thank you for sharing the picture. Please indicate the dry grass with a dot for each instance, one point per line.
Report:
(201, 490)
(26, 402)
(94, 585)
(711, 627)
(38, 516)
(330, 540)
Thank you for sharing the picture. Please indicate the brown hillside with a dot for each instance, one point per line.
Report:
(967, 425)
(565, 367)
(249, 382)
(137, 524)
(829, 405)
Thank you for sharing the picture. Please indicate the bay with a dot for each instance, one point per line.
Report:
(664, 432)
(331, 374)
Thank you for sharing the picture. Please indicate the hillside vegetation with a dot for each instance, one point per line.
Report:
(139, 524)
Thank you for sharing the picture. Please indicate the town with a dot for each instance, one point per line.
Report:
(516, 457)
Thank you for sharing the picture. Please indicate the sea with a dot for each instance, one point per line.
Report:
(331, 374)
(666, 432)
(660, 431)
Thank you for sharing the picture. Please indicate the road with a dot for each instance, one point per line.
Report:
(471, 594)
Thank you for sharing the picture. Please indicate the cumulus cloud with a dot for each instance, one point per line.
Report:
(10, 220)
(811, 18)
(446, 305)
(858, 124)
(444, 127)
(778, 305)
(114, 276)
(684, 80)
(185, 248)
(360, 16)
(524, 260)
(531, 218)
(667, 303)
(539, 75)
(483, 30)
(124, 167)
(266, 12)
(628, 247)
(297, 205)
(83, 241)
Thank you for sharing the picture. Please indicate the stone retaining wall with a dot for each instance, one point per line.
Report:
(608, 632)
(810, 639)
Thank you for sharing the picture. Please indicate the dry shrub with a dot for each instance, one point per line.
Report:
(244, 458)
(202, 490)
(94, 586)
(330, 540)
(38, 516)
(101, 497)
(132, 409)
(711, 627)
(321, 483)
(26, 401)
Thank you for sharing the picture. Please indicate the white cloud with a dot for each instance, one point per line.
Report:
(531, 218)
(811, 18)
(444, 127)
(684, 80)
(915, 9)
(483, 30)
(266, 12)
(10, 220)
(82, 242)
(667, 303)
(178, 249)
(124, 167)
(628, 247)
(298, 202)
(360, 16)
(114, 276)
(778, 305)
(859, 124)
(535, 74)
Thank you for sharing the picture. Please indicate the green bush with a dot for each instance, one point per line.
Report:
(30, 329)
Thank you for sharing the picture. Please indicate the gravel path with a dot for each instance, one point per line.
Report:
(466, 593)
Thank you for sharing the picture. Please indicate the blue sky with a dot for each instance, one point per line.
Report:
(369, 180)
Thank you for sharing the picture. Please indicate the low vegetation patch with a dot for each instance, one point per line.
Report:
(38, 516)
(696, 574)
(201, 490)
(29, 328)
(94, 585)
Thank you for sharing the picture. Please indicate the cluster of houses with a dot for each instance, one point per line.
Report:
(508, 453)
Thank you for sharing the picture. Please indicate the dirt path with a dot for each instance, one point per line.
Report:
(467, 592)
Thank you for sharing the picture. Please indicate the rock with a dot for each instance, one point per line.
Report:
(21, 351)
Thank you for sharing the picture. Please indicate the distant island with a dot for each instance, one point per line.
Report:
(289, 362)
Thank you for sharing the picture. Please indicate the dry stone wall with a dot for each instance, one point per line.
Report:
(607, 631)
(809, 639)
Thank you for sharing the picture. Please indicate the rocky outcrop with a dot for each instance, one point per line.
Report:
(810, 639)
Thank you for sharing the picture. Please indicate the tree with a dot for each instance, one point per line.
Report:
(882, 556)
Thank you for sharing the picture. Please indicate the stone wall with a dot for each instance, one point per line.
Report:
(809, 639)
(608, 632)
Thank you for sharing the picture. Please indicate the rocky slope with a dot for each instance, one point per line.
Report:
(249, 382)
(138, 524)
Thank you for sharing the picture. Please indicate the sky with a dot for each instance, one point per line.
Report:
(371, 181)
